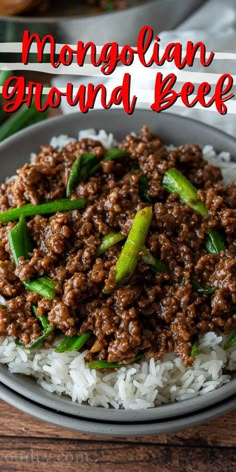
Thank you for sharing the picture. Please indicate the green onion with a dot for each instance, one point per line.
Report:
(143, 189)
(155, 264)
(73, 177)
(111, 155)
(115, 153)
(88, 161)
(134, 167)
(204, 289)
(113, 238)
(21, 119)
(46, 331)
(231, 341)
(109, 6)
(44, 286)
(80, 171)
(108, 241)
(4, 75)
(197, 287)
(62, 204)
(214, 242)
(21, 245)
(20, 241)
(111, 365)
(195, 350)
(134, 243)
(38, 343)
(43, 319)
(175, 182)
(74, 343)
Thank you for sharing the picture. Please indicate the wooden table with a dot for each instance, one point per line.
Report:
(27, 444)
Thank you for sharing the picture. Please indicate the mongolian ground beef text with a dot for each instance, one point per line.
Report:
(174, 278)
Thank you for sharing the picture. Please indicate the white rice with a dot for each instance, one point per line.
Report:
(144, 385)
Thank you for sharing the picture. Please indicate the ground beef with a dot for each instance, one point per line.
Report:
(153, 313)
(18, 7)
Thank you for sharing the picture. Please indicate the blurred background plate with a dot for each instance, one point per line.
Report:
(70, 21)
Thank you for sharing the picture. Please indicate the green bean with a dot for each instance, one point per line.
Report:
(157, 265)
(20, 120)
(74, 343)
(231, 341)
(97, 364)
(108, 241)
(143, 189)
(195, 350)
(80, 171)
(175, 182)
(134, 243)
(63, 204)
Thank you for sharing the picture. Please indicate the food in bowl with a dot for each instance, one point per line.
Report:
(16, 7)
(19, 7)
(125, 252)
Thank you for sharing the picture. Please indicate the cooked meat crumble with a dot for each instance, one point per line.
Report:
(153, 313)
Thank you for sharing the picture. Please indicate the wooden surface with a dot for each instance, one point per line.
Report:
(27, 444)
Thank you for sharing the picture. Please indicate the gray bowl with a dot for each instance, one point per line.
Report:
(110, 428)
(69, 24)
(173, 129)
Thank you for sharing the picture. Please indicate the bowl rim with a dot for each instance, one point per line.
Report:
(64, 404)
(113, 429)
(98, 116)
(49, 123)
(66, 19)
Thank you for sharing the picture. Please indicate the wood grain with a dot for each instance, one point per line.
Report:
(59, 454)
(27, 444)
(219, 432)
